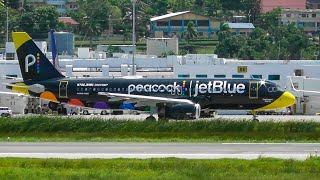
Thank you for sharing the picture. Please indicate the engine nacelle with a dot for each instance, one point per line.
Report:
(183, 111)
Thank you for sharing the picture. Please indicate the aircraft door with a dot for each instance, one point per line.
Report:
(254, 89)
(63, 89)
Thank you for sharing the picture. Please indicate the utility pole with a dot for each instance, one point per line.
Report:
(279, 50)
(133, 34)
(110, 27)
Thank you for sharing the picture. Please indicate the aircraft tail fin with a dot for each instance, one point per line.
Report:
(34, 65)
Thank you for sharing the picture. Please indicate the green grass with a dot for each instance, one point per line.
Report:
(170, 168)
(44, 129)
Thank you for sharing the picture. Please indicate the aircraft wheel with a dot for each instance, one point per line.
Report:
(104, 112)
(86, 112)
(74, 113)
(255, 120)
(151, 119)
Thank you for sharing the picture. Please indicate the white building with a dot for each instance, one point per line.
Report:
(162, 46)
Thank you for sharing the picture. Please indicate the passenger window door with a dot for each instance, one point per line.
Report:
(63, 89)
(254, 90)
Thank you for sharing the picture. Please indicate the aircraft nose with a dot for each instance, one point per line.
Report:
(286, 99)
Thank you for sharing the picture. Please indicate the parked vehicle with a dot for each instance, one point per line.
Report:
(5, 112)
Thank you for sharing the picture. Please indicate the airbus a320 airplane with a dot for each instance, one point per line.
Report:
(169, 98)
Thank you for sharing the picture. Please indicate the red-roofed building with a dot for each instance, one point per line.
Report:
(268, 5)
(68, 20)
(71, 24)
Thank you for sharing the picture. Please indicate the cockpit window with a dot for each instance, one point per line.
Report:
(279, 88)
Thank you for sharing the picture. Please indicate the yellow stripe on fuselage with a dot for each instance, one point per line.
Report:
(20, 38)
(285, 100)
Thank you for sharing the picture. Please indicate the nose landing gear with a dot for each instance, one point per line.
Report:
(255, 117)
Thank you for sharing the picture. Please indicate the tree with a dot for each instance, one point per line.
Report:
(235, 5)
(141, 17)
(223, 32)
(182, 5)
(230, 47)
(252, 8)
(93, 17)
(191, 32)
(39, 21)
(14, 4)
(270, 18)
(212, 7)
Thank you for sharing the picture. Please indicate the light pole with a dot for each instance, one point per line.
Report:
(133, 34)
(7, 35)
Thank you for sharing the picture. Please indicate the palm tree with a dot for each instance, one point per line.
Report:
(191, 32)
(92, 27)
(126, 35)
(224, 31)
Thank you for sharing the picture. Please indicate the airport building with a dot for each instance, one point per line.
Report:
(307, 19)
(305, 74)
(174, 24)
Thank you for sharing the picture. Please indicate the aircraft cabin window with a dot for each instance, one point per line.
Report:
(255, 76)
(220, 76)
(94, 89)
(237, 76)
(85, 89)
(183, 75)
(201, 76)
(98, 89)
(122, 89)
(118, 89)
(81, 89)
(274, 77)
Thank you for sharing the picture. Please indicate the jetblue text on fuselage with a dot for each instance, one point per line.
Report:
(194, 88)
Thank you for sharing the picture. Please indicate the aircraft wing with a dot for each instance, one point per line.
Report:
(143, 100)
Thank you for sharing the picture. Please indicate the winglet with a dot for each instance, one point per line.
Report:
(20, 38)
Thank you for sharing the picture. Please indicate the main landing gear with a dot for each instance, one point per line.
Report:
(161, 110)
(151, 118)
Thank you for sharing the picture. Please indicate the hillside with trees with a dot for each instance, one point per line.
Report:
(270, 39)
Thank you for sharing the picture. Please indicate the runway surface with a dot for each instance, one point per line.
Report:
(298, 151)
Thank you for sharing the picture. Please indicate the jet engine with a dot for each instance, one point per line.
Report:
(183, 111)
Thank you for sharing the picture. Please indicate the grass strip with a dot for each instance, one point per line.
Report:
(169, 168)
(41, 129)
